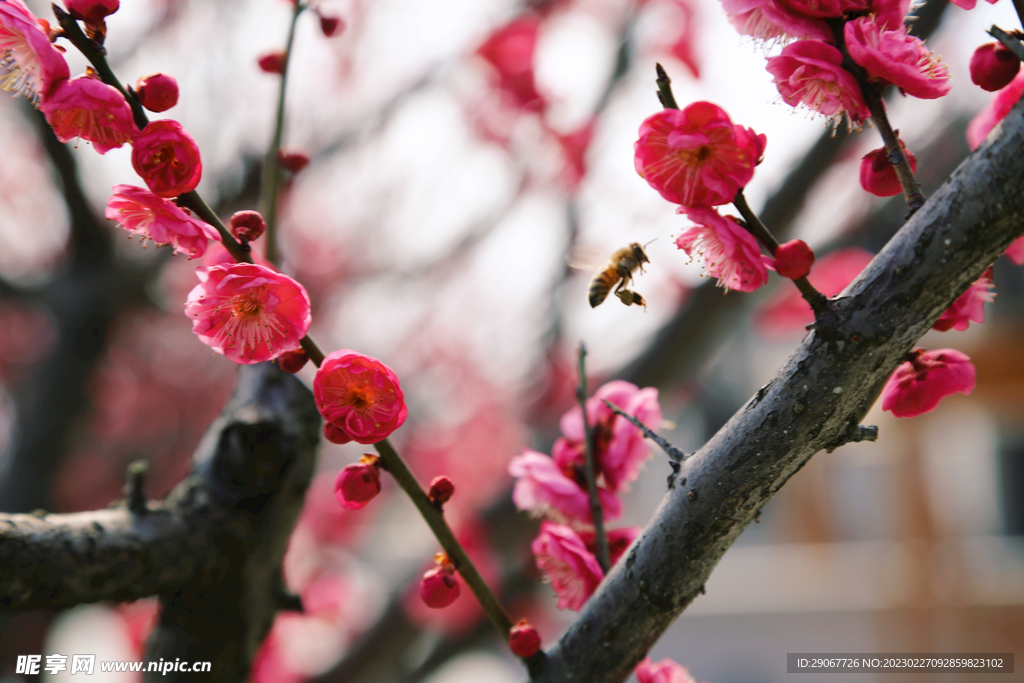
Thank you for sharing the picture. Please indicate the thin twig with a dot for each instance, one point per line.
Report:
(590, 469)
(671, 451)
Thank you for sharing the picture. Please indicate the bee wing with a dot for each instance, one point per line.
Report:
(587, 258)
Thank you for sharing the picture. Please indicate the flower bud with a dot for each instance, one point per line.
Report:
(438, 587)
(272, 62)
(878, 176)
(993, 66)
(331, 25)
(441, 490)
(358, 484)
(793, 259)
(524, 639)
(92, 11)
(292, 162)
(157, 92)
(293, 361)
(247, 225)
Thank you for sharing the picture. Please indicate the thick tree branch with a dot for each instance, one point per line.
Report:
(822, 392)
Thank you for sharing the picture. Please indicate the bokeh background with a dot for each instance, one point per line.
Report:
(471, 168)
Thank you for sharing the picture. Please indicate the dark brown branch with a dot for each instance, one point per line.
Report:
(823, 391)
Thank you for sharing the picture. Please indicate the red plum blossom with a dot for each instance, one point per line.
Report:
(565, 562)
(141, 212)
(359, 397)
(891, 55)
(969, 306)
(167, 158)
(917, 386)
(29, 64)
(994, 112)
(794, 259)
(86, 107)
(665, 671)
(729, 252)
(811, 72)
(542, 487)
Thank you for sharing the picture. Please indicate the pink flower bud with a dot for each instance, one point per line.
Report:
(292, 162)
(793, 259)
(441, 490)
(878, 176)
(157, 92)
(92, 11)
(359, 397)
(438, 587)
(272, 62)
(993, 66)
(358, 484)
(167, 158)
(331, 25)
(247, 225)
(293, 361)
(524, 639)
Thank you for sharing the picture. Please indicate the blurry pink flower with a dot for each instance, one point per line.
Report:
(810, 72)
(696, 156)
(994, 112)
(684, 46)
(887, 13)
(878, 176)
(544, 488)
(729, 252)
(665, 671)
(167, 158)
(330, 26)
(510, 51)
(969, 4)
(773, 20)
(787, 311)
(157, 92)
(1016, 251)
(359, 396)
(565, 562)
(969, 306)
(359, 483)
(574, 150)
(91, 11)
(620, 448)
(894, 56)
(917, 386)
(30, 64)
(86, 107)
(141, 212)
(248, 312)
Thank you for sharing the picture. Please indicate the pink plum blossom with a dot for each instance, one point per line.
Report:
(541, 486)
(696, 156)
(665, 671)
(563, 559)
(969, 306)
(729, 252)
(917, 386)
(774, 20)
(167, 158)
(29, 64)
(141, 212)
(810, 72)
(359, 397)
(509, 50)
(994, 112)
(969, 4)
(893, 56)
(248, 312)
(86, 107)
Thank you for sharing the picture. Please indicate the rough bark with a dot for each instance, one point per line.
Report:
(812, 403)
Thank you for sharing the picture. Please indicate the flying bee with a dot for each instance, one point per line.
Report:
(618, 273)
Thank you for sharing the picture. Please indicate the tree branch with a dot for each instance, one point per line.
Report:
(822, 392)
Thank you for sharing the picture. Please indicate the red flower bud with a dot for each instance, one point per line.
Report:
(793, 259)
(441, 490)
(524, 639)
(438, 587)
(247, 225)
(92, 11)
(292, 361)
(157, 92)
(272, 62)
(878, 176)
(292, 161)
(993, 66)
(331, 25)
(358, 484)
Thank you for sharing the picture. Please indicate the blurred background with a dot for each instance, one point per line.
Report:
(472, 167)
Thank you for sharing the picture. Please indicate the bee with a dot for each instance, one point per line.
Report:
(619, 271)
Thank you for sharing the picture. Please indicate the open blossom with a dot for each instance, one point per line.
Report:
(696, 156)
(167, 158)
(810, 72)
(563, 559)
(665, 671)
(969, 306)
(893, 56)
(917, 386)
(729, 252)
(776, 20)
(994, 112)
(248, 312)
(86, 107)
(359, 397)
(29, 64)
(141, 212)
(620, 449)
(541, 486)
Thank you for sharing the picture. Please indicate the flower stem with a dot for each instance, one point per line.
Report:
(270, 184)
(671, 451)
(590, 470)
(434, 518)
(199, 207)
(1011, 41)
(811, 295)
(665, 96)
(312, 350)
